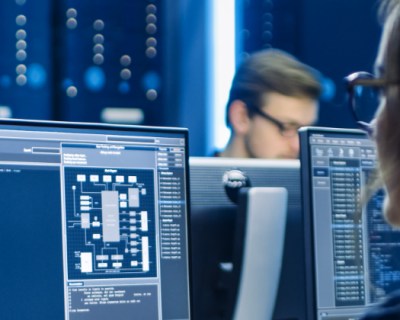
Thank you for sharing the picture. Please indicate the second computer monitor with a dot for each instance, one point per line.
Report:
(352, 253)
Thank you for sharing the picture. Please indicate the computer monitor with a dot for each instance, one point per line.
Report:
(94, 221)
(352, 253)
(213, 234)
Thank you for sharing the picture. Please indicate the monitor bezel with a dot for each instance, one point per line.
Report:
(92, 126)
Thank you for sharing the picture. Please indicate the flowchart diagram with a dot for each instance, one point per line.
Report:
(110, 222)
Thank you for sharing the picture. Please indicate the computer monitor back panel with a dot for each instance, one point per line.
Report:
(93, 221)
(352, 253)
(213, 224)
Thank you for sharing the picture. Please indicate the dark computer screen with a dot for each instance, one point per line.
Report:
(93, 221)
(214, 233)
(353, 255)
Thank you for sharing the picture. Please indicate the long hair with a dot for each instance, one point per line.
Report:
(388, 70)
(391, 73)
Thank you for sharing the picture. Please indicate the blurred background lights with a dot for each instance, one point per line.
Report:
(72, 23)
(5, 112)
(125, 60)
(98, 25)
(151, 42)
(95, 78)
(98, 48)
(20, 20)
(125, 74)
(37, 75)
(21, 80)
(71, 13)
(223, 66)
(21, 45)
(21, 55)
(151, 8)
(98, 38)
(151, 52)
(328, 89)
(151, 94)
(151, 28)
(21, 34)
(72, 91)
(151, 18)
(20, 69)
(151, 80)
(124, 87)
(98, 59)
(5, 81)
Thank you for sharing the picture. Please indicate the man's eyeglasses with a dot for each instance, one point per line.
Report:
(286, 129)
(364, 91)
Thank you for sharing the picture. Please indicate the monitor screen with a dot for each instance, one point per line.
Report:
(213, 234)
(353, 255)
(93, 221)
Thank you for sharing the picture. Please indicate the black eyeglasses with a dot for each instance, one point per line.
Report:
(364, 91)
(285, 129)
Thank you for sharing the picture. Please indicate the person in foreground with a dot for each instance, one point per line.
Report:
(272, 95)
(386, 132)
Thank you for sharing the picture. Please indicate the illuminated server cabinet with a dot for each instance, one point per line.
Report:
(270, 23)
(25, 59)
(77, 60)
(109, 55)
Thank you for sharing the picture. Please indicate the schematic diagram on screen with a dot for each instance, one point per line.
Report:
(110, 222)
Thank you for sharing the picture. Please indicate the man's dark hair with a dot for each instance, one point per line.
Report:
(272, 70)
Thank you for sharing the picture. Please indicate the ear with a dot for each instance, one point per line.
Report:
(239, 117)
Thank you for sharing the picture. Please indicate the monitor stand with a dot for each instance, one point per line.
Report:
(258, 251)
